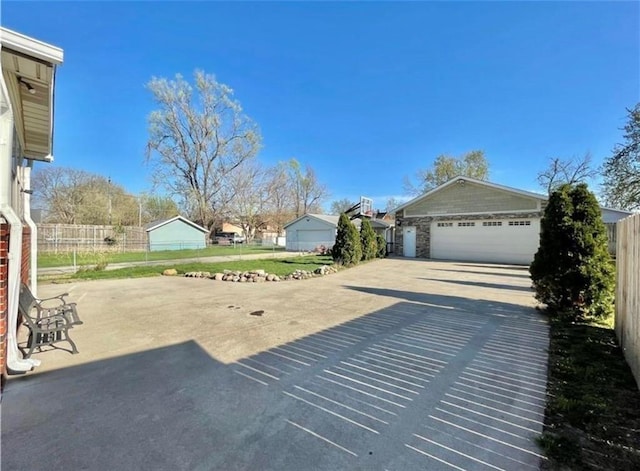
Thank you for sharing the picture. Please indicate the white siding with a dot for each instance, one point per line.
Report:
(309, 233)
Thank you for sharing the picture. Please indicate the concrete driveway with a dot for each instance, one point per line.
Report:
(393, 365)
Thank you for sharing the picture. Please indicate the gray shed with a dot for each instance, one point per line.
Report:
(176, 233)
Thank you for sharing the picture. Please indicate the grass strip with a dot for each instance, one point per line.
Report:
(592, 420)
(280, 267)
(52, 260)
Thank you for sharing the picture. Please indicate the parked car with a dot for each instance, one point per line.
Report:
(228, 238)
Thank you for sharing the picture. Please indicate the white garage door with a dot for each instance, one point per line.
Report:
(310, 239)
(502, 241)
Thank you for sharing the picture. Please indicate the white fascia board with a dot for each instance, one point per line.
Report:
(176, 218)
(31, 47)
(519, 211)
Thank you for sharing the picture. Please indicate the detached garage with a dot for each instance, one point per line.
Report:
(176, 233)
(310, 231)
(468, 219)
(473, 220)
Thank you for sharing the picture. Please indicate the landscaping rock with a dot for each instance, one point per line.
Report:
(198, 274)
(270, 277)
(218, 277)
(170, 272)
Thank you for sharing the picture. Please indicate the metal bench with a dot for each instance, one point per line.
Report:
(48, 319)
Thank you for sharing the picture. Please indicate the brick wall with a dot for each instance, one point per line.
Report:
(4, 278)
(25, 268)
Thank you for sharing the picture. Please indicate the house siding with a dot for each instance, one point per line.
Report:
(470, 198)
(423, 227)
(176, 235)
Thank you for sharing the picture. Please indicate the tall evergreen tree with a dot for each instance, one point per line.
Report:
(572, 271)
(368, 240)
(347, 249)
(382, 246)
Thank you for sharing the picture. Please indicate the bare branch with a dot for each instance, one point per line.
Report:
(198, 137)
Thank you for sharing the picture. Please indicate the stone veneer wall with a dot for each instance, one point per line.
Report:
(423, 227)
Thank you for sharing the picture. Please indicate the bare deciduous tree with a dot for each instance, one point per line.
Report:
(561, 171)
(621, 186)
(279, 203)
(340, 206)
(197, 137)
(392, 204)
(155, 207)
(73, 196)
(472, 164)
(248, 188)
(308, 192)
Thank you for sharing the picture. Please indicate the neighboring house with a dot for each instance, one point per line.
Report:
(175, 233)
(611, 216)
(27, 84)
(386, 229)
(266, 232)
(473, 220)
(313, 230)
(228, 227)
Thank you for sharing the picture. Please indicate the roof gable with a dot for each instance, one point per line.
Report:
(162, 222)
(328, 219)
(463, 195)
(462, 180)
(325, 218)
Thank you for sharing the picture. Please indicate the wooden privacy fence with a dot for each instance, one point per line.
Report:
(627, 320)
(79, 237)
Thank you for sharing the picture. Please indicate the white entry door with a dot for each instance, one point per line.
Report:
(409, 241)
(499, 241)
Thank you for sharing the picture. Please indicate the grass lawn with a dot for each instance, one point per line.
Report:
(50, 260)
(280, 267)
(593, 412)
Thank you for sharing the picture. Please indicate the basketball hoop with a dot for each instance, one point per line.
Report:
(366, 207)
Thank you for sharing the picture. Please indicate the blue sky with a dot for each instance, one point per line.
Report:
(365, 93)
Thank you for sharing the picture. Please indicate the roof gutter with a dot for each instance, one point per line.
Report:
(15, 362)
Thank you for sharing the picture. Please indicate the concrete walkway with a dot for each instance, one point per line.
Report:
(396, 365)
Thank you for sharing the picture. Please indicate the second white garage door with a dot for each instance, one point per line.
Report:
(502, 241)
(310, 239)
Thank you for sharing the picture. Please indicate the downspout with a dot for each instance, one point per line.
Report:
(15, 362)
(33, 259)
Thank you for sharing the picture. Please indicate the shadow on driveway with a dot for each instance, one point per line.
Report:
(482, 284)
(430, 382)
(508, 274)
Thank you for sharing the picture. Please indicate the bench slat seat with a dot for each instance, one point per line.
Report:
(48, 319)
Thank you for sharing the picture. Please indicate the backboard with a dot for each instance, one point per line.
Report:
(366, 206)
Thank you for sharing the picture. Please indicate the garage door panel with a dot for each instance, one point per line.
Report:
(310, 239)
(498, 241)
